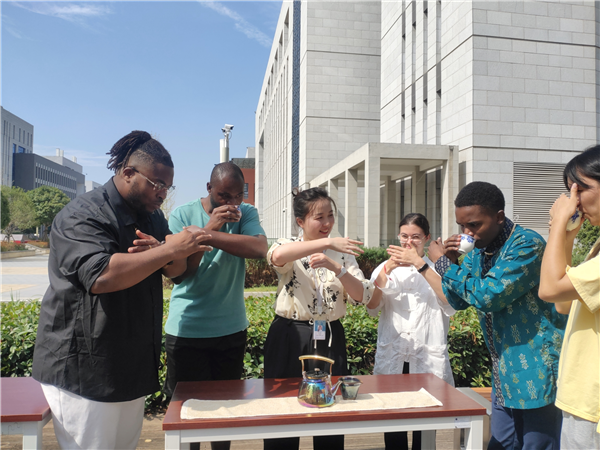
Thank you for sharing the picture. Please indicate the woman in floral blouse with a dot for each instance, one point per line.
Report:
(317, 275)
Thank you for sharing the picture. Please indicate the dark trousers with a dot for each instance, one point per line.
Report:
(204, 359)
(525, 429)
(398, 440)
(287, 340)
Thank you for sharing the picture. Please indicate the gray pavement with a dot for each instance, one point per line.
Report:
(24, 278)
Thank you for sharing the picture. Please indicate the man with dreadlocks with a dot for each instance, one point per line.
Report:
(99, 335)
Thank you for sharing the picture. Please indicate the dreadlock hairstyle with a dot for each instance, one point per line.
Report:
(143, 146)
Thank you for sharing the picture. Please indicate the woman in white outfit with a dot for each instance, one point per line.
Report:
(414, 320)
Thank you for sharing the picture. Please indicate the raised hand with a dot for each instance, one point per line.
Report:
(563, 208)
(436, 249)
(322, 260)
(144, 243)
(346, 245)
(451, 246)
(222, 215)
(189, 241)
(402, 256)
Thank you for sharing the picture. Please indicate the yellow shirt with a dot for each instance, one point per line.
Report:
(579, 369)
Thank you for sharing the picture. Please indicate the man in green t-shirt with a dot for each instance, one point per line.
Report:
(206, 327)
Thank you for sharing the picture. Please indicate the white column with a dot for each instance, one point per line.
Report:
(332, 188)
(389, 210)
(372, 205)
(449, 192)
(350, 202)
(418, 185)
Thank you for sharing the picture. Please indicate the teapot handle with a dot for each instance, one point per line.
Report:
(318, 358)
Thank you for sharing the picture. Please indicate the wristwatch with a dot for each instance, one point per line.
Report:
(424, 268)
(342, 272)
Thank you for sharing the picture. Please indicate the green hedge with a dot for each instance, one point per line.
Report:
(468, 354)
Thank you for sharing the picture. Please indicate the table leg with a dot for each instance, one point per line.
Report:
(428, 439)
(474, 435)
(173, 441)
(32, 435)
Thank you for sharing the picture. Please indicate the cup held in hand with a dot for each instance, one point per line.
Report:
(467, 243)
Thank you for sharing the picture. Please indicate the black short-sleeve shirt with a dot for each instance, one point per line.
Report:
(103, 347)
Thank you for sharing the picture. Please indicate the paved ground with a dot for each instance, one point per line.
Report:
(24, 278)
(153, 438)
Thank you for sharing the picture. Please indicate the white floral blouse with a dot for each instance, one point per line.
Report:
(297, 288)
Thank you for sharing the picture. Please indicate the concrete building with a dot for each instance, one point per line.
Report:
(91, 185)
(247, 166)
(394, 106)
(33, 171)
(17, 137)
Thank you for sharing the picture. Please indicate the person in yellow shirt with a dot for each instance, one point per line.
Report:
(576, 291)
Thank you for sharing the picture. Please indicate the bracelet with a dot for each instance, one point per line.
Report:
(342, 273)
(424, 268)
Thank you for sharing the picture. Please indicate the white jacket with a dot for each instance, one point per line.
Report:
(413, 326)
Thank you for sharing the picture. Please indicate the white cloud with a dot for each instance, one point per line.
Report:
(72, 12)
(241, 24)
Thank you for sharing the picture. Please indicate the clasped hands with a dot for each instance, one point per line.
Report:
(186, 242)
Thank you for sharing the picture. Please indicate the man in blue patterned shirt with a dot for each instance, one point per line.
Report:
(524, 334)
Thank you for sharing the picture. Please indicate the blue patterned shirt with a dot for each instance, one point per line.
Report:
(526, 333)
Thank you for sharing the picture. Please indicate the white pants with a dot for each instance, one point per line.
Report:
(577, 433)
(85, 424)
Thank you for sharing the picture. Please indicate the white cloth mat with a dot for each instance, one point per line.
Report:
(230, 409)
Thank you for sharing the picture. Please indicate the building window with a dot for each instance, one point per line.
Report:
(245, 190)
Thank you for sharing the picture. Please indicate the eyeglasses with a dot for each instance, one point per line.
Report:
(416, 239)
(155, 186)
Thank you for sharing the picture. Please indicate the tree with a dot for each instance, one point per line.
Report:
(168, 205)
(47, 201)
(22, 212)
(5, 212)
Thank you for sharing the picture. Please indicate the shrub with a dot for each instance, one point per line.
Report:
(11, 247)
(19, 327)
(586, 237)
(370, 259)
(468, 354)
(40, 244)
(259, 273)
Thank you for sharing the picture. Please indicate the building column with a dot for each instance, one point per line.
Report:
(389, 210)
(350, 203)
(372, 200)
(450, 187)
(332, 189)
(418, 189)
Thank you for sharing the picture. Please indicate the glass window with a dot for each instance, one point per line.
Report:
(245, 190)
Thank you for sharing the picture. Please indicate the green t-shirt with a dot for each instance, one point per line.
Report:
(211, 303)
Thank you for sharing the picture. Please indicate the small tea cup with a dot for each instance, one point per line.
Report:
(350, 387)
(467, 243)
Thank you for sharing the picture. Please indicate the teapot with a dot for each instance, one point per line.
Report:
(316, 389)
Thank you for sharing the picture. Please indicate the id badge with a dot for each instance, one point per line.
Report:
(319, 330)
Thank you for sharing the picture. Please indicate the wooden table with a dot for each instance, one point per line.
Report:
(24, 410)
(458, 411)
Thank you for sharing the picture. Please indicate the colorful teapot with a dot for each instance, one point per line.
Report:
(316, 390)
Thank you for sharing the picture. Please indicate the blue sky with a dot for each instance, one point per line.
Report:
(84, 74)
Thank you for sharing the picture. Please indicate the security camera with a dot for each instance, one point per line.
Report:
(228, 127)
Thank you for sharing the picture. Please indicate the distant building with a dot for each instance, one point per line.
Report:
(32, 171)
(395, 106)
(247, 166)
(91, 185)
(17, 137)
